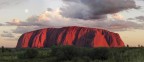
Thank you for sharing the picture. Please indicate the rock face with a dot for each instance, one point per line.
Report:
(74, 35)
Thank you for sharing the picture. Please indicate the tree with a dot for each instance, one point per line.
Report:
(141, 45)
(138, 45)
(3, 49)
(28, 54)
(127, 45)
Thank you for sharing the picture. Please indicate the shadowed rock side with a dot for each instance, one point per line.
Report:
(77, 36)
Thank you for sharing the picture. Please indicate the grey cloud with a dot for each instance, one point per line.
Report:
(49, 9)
(130, 19)
(140, 18)
(35, 23)
(31, 21)
(118, 25)
(115, 25)
(7, 34)
(94, 9)
(6, 3)
(1, 24)
(111, 25)
(23, 29)
(11, 39)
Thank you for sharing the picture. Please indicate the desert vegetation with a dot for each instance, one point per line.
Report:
(72, 54)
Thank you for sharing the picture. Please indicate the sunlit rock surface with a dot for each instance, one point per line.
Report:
(73, 35)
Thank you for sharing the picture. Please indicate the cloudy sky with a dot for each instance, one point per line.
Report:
(125, 17)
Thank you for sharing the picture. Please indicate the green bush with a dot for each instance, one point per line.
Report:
(64, 52)
(100, 54)
(81, 59)
(70, 52)
(28, 54)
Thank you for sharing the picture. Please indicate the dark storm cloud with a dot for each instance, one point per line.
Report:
(95, 9)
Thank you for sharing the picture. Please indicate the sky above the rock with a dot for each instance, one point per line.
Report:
(125, 17)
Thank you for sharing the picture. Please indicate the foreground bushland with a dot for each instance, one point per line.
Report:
(72, 54)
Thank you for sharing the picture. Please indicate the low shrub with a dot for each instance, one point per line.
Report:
(69, 52)
(64, 52)
(99, 53)
(28, 54)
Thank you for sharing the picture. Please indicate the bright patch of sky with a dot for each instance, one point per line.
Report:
(26, 9)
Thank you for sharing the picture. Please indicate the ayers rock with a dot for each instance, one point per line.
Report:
(73, 35)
